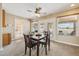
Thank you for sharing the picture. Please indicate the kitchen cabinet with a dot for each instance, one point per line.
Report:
(3, 19)
(6, 39)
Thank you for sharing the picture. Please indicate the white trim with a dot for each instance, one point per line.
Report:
(67, 43)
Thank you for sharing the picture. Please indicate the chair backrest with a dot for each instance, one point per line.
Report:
(27, 39)
(47, 36)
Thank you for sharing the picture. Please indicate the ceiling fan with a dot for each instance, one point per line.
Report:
(37, 11)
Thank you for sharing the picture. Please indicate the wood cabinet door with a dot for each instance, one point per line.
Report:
(3, 18)
(6, 39)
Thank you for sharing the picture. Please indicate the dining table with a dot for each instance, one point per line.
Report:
(38, 37)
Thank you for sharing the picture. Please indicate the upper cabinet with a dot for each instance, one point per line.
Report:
(3, 19)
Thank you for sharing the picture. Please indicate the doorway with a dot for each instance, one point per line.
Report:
(50, 29)
(18, 28)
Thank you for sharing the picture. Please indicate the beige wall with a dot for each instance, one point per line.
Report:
(77, 26)
(65, 39)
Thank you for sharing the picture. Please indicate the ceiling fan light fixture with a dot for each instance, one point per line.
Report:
(38, 15)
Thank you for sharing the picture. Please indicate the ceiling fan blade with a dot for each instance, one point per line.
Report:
(37, 10)
(29, 10)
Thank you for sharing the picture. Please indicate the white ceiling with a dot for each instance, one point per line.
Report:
(20, 9)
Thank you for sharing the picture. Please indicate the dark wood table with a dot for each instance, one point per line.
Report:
(38, 38)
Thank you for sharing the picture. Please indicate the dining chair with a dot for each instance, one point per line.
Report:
(48, 38)
(44, 42)
(47, 33)
(29, 43)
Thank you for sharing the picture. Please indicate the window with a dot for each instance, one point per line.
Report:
(66, 28)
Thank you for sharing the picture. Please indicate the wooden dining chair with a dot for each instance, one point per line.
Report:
(29, 43)
(48, 40)
(44, 42)
(47, 33)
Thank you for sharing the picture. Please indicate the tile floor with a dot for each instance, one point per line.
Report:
(16, 48)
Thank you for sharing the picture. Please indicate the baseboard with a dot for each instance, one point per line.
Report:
(17, 39)
(67, 43)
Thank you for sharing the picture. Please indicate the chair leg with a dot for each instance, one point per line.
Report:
(29, 51)
(46, 49)
(49, 45)
(25, 49)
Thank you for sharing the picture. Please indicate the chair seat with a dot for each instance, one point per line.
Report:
(33, 43)
(42, 42)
